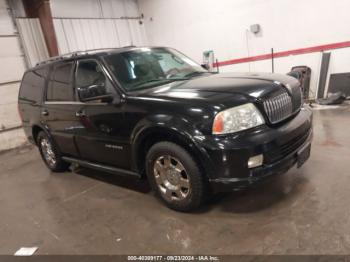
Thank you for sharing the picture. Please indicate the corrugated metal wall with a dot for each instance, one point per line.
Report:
(91, 24)
(32, 40)
(12, 66)
(12, 62)
(75, 34)
(94, 8)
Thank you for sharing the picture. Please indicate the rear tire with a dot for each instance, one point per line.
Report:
(50, 153)
(175, 177)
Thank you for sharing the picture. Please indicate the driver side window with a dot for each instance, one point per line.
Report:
(91, 82)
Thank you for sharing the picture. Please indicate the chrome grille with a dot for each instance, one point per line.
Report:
(278, 107)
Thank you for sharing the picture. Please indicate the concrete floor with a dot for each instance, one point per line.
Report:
(305, 211)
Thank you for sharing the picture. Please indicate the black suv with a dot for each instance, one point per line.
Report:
(154, 112)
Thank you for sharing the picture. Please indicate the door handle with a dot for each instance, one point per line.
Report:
(44, 112)
(80, 114)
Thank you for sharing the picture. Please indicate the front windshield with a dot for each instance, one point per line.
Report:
(148, 67)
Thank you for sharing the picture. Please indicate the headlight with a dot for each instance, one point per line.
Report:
(236, 119)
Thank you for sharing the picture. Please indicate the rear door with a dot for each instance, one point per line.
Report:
(30, 98)
(60, 107)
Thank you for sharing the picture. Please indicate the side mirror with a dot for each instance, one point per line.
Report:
(98, 93)
(88, 93)
(118, 100)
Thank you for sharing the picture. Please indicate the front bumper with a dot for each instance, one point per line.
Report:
(227, 156)
(260, 173)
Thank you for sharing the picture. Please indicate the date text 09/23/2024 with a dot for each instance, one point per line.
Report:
(173, 258)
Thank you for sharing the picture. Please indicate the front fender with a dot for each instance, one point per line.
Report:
(174, 126)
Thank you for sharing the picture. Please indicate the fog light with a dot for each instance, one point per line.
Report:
(255, 161)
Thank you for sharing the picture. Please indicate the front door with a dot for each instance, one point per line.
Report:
(101, 140)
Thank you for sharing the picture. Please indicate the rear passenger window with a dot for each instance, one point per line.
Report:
(60, 83)
(33, 84)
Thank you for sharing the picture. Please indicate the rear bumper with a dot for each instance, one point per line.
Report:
(226, 157)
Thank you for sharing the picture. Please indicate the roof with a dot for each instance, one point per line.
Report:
(77, 54)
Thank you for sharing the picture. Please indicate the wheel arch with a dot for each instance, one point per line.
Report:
(35, 132)
(152, 135)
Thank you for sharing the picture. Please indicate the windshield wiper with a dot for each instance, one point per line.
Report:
(150, 81)
(160, 80)
(179, 78)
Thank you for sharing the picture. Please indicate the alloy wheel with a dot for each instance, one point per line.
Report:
(172, 178)
(48, 153)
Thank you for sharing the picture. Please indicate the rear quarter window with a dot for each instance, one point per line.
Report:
(32, 85)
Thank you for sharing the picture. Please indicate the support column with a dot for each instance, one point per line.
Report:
(41, 9)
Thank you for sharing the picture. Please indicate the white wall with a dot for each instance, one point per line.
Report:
(193, 26)
(12, 66)
(17, 8)
(12, 63)
(9, 118)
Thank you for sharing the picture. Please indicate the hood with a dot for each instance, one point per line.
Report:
(248, 85)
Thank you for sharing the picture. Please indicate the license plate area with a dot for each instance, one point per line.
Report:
(303, 155)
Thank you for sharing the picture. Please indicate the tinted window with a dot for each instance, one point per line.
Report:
(32, 85)
(148, 67)
(60, 83)
(91, 82)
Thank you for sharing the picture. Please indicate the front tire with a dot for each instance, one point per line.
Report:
(175, 176)
(50, 153)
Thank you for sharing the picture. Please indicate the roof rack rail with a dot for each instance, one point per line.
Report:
(76, 53)
(100, 49)
(59, 57)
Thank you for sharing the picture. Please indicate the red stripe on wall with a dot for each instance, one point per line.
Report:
(300, 51)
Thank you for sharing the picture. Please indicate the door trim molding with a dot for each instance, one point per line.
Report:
(72, 103)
